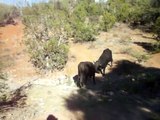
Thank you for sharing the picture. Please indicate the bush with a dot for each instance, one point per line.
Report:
(50, 55)
(123, 12)
(108, 21)
(79, 12)
(95, 9)
(46, 36)
(8, 12)
(119, 8)
(155, 47)
(130, 11)
(3, 85)
(4, 11)
(157, 28)
(81, 26)
(83, 32)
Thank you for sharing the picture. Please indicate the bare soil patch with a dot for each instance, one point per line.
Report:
(13, 53)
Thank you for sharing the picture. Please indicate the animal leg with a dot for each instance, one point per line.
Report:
(94, 82)
(81, 84)
(103, 71)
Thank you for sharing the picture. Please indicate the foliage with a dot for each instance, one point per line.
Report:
(46, 23)
(82, 19)
(80, 12)
(108, 20)
(155, 3)
(3, 85)
(95, 9)
(46, 36)
(127, 10)
(51, 56)
(7, 11)
(4, 10)
(136, 12)
(156, 47)
(83, 32)
(118, 8)
(82, 25)
(157, 28)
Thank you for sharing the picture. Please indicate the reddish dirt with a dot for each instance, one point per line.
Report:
(13, 53)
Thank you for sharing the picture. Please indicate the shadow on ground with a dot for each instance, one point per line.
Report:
(10, 21)
(128, 92)
(15, 99)
(150, 47)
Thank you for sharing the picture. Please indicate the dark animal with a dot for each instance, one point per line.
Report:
(51, 117)
(103, 61)
(86, 70)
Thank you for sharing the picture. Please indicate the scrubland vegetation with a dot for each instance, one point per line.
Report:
(7, 13)
(57, 21)
(49, 27)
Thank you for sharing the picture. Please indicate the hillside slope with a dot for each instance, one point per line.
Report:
(55, 93)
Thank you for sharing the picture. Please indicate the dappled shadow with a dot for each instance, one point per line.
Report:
(16, 98)
(2, 24)
(141, 26)
(134, 78)
(152, 38)
(10, 21)
(128, 92)
(90, 85)
(147, 37)
(150, 47)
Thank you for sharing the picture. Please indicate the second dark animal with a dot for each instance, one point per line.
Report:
(103, 61)
(86, 70)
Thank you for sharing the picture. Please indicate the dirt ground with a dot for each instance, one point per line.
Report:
(56, 93)
(13, 53)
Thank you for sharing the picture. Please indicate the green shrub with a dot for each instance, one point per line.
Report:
(4, 11)
(83, 32)
(108, 21)
(123, 12)
(8, 11)
(157, 27)
(155, 47)
(50, 55)
(135, 14)
(80, 12)
(119, 8)
(81, 27)
(3, 85)
(46, 36)
(95, 9)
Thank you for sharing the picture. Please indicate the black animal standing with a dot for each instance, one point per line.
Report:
(86, 70)
(103, 61)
